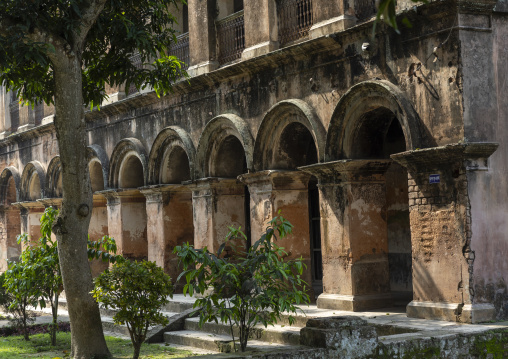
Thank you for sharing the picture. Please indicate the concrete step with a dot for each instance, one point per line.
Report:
(109, 325)
(272, 334)
(215, 342)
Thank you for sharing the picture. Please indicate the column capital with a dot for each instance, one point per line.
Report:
(215, 186)
(277, 179)
(348, 170)
(29, 207)
(51, 202)
(473, 155)
(118, 196)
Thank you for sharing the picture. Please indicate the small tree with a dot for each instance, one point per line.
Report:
(41, 263)
(137, 290)
(249, 287)
(41, 259)
(20, 285)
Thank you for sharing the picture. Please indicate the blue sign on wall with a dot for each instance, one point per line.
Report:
(434, 179)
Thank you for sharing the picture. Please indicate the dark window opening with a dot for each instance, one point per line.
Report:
(237, 5)
(315, 237)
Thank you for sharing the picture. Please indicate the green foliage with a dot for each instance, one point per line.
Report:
(41, 263)
(248, 287)
(103, 249)
(36, 278)
(123, 28)
(387, 12)
(14, 347)
(137, 290)
(20, 284)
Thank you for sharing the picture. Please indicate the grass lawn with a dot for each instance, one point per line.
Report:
(15, 347)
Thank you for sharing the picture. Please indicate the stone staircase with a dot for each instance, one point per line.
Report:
(184, 331)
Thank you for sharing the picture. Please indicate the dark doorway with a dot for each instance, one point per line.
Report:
(315, 237)
(378, 136)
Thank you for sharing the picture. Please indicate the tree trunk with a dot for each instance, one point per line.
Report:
(54, 324)
(71, 226)
(137, 349)
(24, 321)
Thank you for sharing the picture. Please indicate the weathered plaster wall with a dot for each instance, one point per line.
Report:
(486, 117)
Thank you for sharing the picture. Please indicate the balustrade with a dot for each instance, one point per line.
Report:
(294, 19)
(231, 37)
(181, 50)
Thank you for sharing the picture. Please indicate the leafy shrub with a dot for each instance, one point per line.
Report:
(36, 278)
(137, 290)
(249, 287)
(20, 284)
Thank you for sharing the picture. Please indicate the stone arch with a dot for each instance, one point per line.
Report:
(286, 113)
(54, 178)
(222, 130)
(98, 167)
(370, 97)
(32, 182)
(171, 143)
(127, 161)
(8, 177)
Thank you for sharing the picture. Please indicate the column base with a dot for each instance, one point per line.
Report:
(203, 68)
(331, 26)
(453, 312)
(433, 310)
(25, 127)
(114, 97)
(354, 303)
(259, 49)
(478, 313)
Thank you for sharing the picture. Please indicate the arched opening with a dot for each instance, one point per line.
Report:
(34, 188)
(295, 148)
(96, 175)
(58, 186)
(10, 192)
(378, 136)
(230, 160)
(131, 173)
(175, 167)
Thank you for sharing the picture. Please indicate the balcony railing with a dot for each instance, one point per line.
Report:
(14, 111)
(365, 9)
(230, 37)
(294, 19)
(136, 61)
(39, 112)
(181, 50)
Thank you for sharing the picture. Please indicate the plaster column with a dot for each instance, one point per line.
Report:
(127, 222)
(169, 216)
(98, 228)
(10, 225)
(441, 228)
(261, 34)
(218, 203)
(354, 234)
(331, 16)
(202, 37)
(31, 213)
(287, 191)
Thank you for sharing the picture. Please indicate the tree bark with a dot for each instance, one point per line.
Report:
(71, 226)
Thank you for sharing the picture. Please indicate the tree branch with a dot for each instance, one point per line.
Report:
(8, 28)
(89, 12)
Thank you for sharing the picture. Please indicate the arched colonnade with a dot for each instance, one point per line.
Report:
(347, 199)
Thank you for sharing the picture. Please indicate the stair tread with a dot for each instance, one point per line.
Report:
(276, 327)
(217, 337)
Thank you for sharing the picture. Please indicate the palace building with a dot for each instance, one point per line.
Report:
(387, 152)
